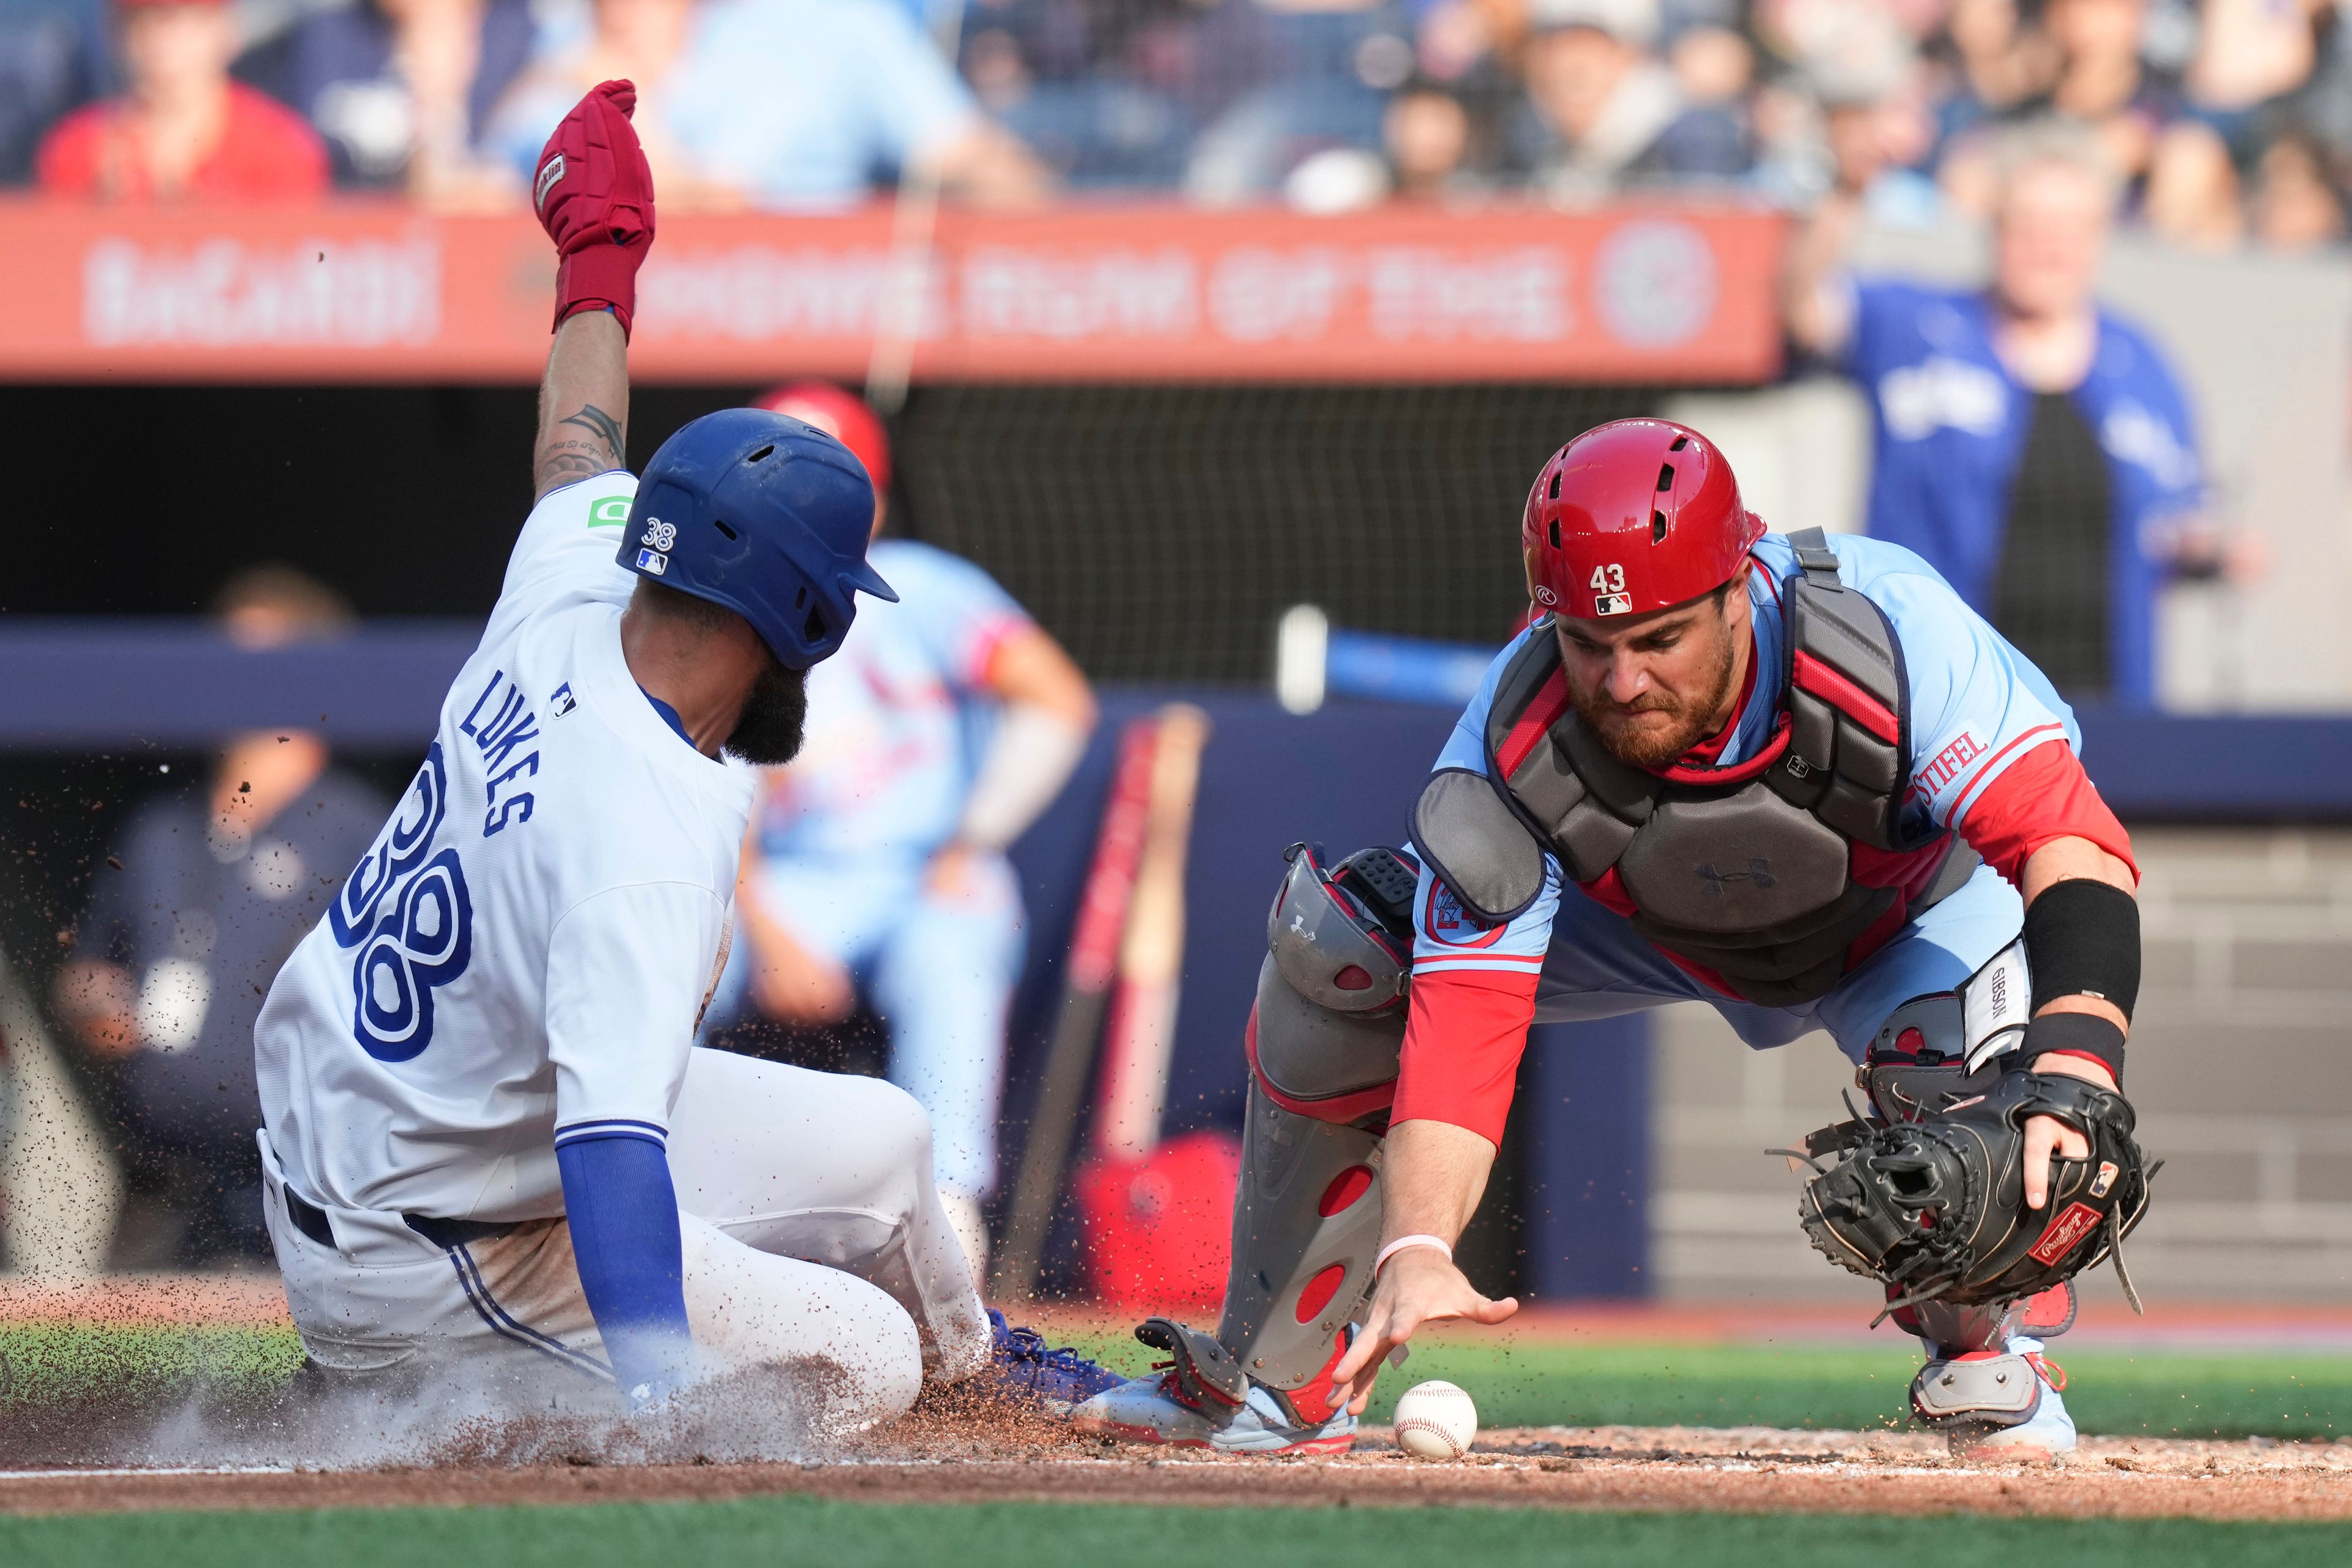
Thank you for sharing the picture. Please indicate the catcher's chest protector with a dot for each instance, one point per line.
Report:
(1754, 872)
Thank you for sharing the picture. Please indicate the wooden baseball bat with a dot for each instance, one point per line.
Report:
(1086, 990)
(1141, 1037)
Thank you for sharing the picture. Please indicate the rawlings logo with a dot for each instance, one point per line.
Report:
(2079, 1221)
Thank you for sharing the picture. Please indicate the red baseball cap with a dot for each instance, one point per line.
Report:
(840, 413)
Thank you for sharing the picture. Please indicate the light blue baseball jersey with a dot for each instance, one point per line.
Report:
(1977, 706)
(898, 719)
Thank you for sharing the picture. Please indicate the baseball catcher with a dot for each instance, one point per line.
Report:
(1794, 777)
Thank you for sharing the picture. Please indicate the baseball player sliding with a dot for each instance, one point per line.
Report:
(1793, 777)
(492, 1156)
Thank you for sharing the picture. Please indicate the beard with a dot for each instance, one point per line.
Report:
(1649, 743)
(768, 732)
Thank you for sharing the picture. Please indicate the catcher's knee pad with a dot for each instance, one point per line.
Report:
(1324, 1043)
(1937, 1050)
(1328, 1030)
(1313, 1062)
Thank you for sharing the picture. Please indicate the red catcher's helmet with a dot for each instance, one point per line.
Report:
(1631, 517)
(840, 415)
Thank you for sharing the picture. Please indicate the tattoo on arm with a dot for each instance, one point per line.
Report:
(563, 459)
(599, 424)
(567, 460)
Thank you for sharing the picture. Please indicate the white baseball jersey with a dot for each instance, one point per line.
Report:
(521, 954)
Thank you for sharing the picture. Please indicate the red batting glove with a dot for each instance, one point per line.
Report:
(594, 196)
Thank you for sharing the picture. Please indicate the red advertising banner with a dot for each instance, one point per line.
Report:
(368, 292)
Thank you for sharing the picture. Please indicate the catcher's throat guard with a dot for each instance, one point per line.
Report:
(1934, 1207)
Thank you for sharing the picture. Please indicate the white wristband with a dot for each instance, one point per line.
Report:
(1402, 1242)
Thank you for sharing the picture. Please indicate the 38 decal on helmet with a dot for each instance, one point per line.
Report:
(766, 515)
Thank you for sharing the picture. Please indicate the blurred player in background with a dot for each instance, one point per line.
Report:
(201, 900)
(876, 863)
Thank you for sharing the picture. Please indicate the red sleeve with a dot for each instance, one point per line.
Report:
(1463, 1041)
(2043, 796)
(67, 163)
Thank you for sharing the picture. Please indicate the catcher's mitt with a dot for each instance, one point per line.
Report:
(1936, 1208)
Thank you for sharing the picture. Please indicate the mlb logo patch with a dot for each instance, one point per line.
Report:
(653, 562)
(1612, 603)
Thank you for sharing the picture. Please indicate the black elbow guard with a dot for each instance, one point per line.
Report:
(2082, 938)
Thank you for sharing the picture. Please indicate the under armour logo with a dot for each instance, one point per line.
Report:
(1758, 872)
(1798, 766)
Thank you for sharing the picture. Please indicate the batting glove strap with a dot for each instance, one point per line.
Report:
(599, 278)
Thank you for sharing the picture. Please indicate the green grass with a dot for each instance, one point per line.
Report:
(1516, 1383)
(2165, 1394)
(775, 1532)
(49, 1363)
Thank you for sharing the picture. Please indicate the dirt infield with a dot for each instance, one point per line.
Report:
(155, 1453)
(1644, 1469)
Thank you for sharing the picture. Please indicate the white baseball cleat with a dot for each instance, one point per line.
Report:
(1154, 1410)
(2050, 1433)
(1997, 1405)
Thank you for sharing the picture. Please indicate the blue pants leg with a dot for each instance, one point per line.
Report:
(943, 976)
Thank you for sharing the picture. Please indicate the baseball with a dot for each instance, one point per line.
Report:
(1435, 1420)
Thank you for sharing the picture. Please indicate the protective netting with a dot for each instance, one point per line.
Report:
(1160, 532)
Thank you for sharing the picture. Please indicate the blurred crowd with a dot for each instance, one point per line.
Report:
(2229, 122)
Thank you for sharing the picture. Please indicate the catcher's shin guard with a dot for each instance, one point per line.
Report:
(1307, 1226)
(1323, 1042)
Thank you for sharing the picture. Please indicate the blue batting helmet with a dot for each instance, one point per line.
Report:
(765, 515)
